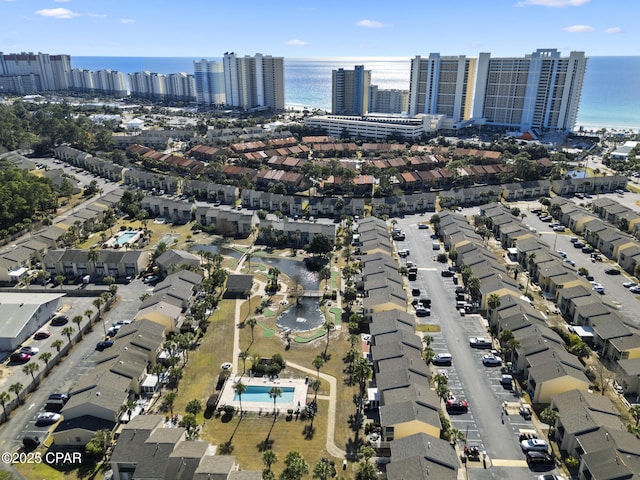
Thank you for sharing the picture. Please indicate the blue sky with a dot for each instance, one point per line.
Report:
(323, 28)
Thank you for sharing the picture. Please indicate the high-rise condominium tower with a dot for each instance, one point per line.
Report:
(442, 85)
(350, 91)
(254, 82)
(41, 71)
(541, 90)
(209, 77)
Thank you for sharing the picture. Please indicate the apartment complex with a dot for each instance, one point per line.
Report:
(442, 85)
(350, 91)
(537, 91)
(109, 82)
(254, 82)
(388, 101)
(209, 82)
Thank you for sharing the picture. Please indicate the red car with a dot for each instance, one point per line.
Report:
(457, 406)
(19, 357)
(42, 335)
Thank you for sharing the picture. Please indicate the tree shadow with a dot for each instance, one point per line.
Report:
(266, 444)
(353, 445)
(226, 448)
(308, 431)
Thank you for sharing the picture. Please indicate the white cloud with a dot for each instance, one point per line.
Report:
(61, 1)
(370, 24)
(57, 13)
(127, 21)
(96, 15)
(578, 28)
(553, 3)
(613, 30)
(298, 43)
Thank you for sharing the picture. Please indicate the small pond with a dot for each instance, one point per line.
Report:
(226, 251)
(306, 315)
(294, 269)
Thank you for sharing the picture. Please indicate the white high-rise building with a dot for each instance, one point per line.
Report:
(181, 86)
(209, 82)
(111, 82)
(254, 82)
(47, 72)
(388, 100)
(537, 91)
(442, 85)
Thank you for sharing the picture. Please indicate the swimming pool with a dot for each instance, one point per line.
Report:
(257, 393)
(126, 237)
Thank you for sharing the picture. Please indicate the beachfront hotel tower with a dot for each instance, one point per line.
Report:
(252, 83)
(442, 85)
(538, 91)
(350, 91)
(209, 78)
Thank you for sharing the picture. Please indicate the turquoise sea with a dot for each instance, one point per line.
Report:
(610, 94)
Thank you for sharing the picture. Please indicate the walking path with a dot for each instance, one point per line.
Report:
(331, 446)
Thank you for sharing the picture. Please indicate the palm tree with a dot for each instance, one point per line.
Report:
(98, 302)
(427, 340)
(443, 391)
(44, 358)
(57, 344)
(275, 392)
(92, 255)
(324, 469)
(78, 320)
(88, 313)
(362, 372)
(59, 279)
(68, 331)
(243, 355)
(239, 388)
(16, 388)
(4, 398)
(366, 471)
(128, 408)
(252, 322)
(317, 363)
(169, 400)
(315, 386)
(269, 457)
(31, 369)
(493, 301)
(328, 325)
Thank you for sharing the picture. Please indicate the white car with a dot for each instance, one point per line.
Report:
(635, 289)
(598, 288)
(534, 444)
(562, 254)
(30, 350)
(629, 284)
(47, 418)
(491, 360)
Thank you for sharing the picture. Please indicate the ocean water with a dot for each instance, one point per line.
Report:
(610, 94)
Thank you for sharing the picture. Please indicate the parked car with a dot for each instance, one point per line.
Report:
(479, 342)
(587, 249)
(47, 418)
(569, 261)
(635, 289)
(629, 284)
(151, 279)
(422, 312)
(559, 228)
(550, 477)
(58, 397)
(422, 226)
(59, 321)
(540, 458)
(506, 381)
(31, 351)
(442, 359)
(415, 292)
(100, 346)
(598, 288)
(19, 357)
(578, 244)
(491, 360)
(612, 271)
(457, 406)
(30, 443)
(42, 334)
(573, 239)
(562, 254)
(447, 273)
(534, 444)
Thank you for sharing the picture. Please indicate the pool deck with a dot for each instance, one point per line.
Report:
(299, 394)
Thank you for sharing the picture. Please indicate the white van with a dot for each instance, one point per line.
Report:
(435, 246)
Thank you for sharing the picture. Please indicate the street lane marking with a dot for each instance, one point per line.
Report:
(498, 462)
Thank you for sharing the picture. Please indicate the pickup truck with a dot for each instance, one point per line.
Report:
(479, 342)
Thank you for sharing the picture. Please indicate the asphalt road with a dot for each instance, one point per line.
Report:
(468, 378)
